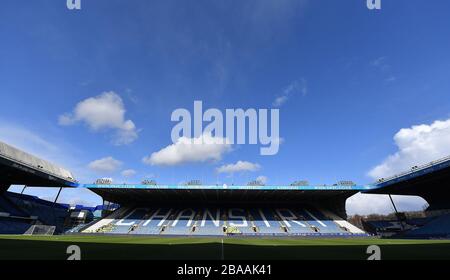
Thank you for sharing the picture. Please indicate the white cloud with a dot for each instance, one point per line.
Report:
(380, 62)
(417, 145)
(382, 65)
(105, 165)
(365, 204)
(200, 149)
(391, 79)
(298, 86)
(239, 166)
(262, 179)
(128, 173)
(280, 100)
(105, 111)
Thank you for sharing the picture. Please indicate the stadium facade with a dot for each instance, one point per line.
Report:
(208, 210)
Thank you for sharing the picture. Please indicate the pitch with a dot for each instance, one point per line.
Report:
(183, 248)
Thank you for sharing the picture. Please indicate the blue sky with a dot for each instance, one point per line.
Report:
(350, 79)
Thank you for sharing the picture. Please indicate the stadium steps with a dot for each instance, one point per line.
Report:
(180, 228)
(207, 229)
(166, 228)
(107, 220)
(167, 220)
(197, 221)
(145, 226)
(282, 226)
(311, 227)
(342, 223)
(252, 222)
(135, 229)
(196, 224)
(293, 223)
(325, 225)
(262, 228)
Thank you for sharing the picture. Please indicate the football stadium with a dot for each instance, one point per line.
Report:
(214, 133)
(195, 221)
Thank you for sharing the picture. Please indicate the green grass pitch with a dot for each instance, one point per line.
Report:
(188, 248)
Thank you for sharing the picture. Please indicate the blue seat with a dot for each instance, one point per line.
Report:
(180, 222)
(437, 227)
(323, 224)
(238, 220)
(218, 222)
(210, 223)
(123, 226)
(9, 226)
(152, 222)
(9, 207)
(47, 212)
(295, 224)
(265, 221)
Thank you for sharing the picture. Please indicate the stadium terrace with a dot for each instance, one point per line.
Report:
(193, 209)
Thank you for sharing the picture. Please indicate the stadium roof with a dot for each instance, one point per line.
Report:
(124, 194)
(230, 187)
(21, 168)
(430, 181)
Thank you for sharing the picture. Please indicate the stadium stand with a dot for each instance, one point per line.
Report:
(294, 223)
(14, 226)
(6, 206)
(434, 226)
(265, 222)
(324, 224)
(48, 213)
(299, 209)
(213, 221)
(106, 223)
(438, 227)
(27, 211)
(182, 222)
(145, 221)
(383, 228)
